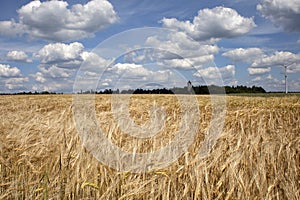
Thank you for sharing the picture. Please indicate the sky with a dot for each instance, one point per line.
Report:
(67, 46)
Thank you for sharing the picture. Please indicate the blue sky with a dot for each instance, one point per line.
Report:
(47, 45)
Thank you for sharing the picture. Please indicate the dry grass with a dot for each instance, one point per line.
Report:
(256, 157)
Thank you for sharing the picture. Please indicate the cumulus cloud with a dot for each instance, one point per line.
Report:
(60, 53)
(53, 86)
(258, 71)
(136, 75)
(59, 63)
(55, 21)
(11, 79)
(39, 77)
(11, 28)
(164, 58)
(263, 64)
(177, 64)
(269, 82)
(93, 62)
(8, 71)
(181, 44)
(70, 56)
(53, 78)
(149, 55)
(244, 55)
(276, 59)
(256, 79)
(17, 56)
(91, 74)
(294, 85)
(163, 76)
(54, 72)
(284, 13)
(293, 68)
(215, 75)
(16, 83)
(130, 70)
(195, 40)
(219, 22)
(197, 53)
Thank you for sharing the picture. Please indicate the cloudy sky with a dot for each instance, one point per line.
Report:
(47, 45)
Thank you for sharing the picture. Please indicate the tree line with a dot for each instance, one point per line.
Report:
(202, 89)
(31, 93)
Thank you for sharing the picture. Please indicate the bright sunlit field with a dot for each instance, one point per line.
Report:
(257, 155)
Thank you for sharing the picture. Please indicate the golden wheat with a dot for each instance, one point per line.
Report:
(256, 156)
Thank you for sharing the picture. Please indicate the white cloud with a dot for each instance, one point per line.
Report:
(197, 53)
(70, 56)
(177, 64)
(162, 76)
(294, 85)
(200, 60)
(17, 80)
(257, 78)
(67, 54)
(269, 82)
(244, 55)
(65, 23)
(8, 71)
(139, 72)
(17, 56)
(228, 71)
(179, 43)
(219, 22)
(11, 28)
(91, 74)
(294, 68)
(16, 83)
(39, 77)
(215, 75)
(130, 70)
(262, 64)
(53, 78)
(59, 64)
(122, 75)
(284, 13)
(53, 86)
(11, 79)
(277, 59)
(93, 62)
(258, 71)
(149, 55)
(53, 74)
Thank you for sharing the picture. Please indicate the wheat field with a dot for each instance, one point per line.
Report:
(257, 155)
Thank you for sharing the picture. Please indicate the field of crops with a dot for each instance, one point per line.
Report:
(257, 155)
